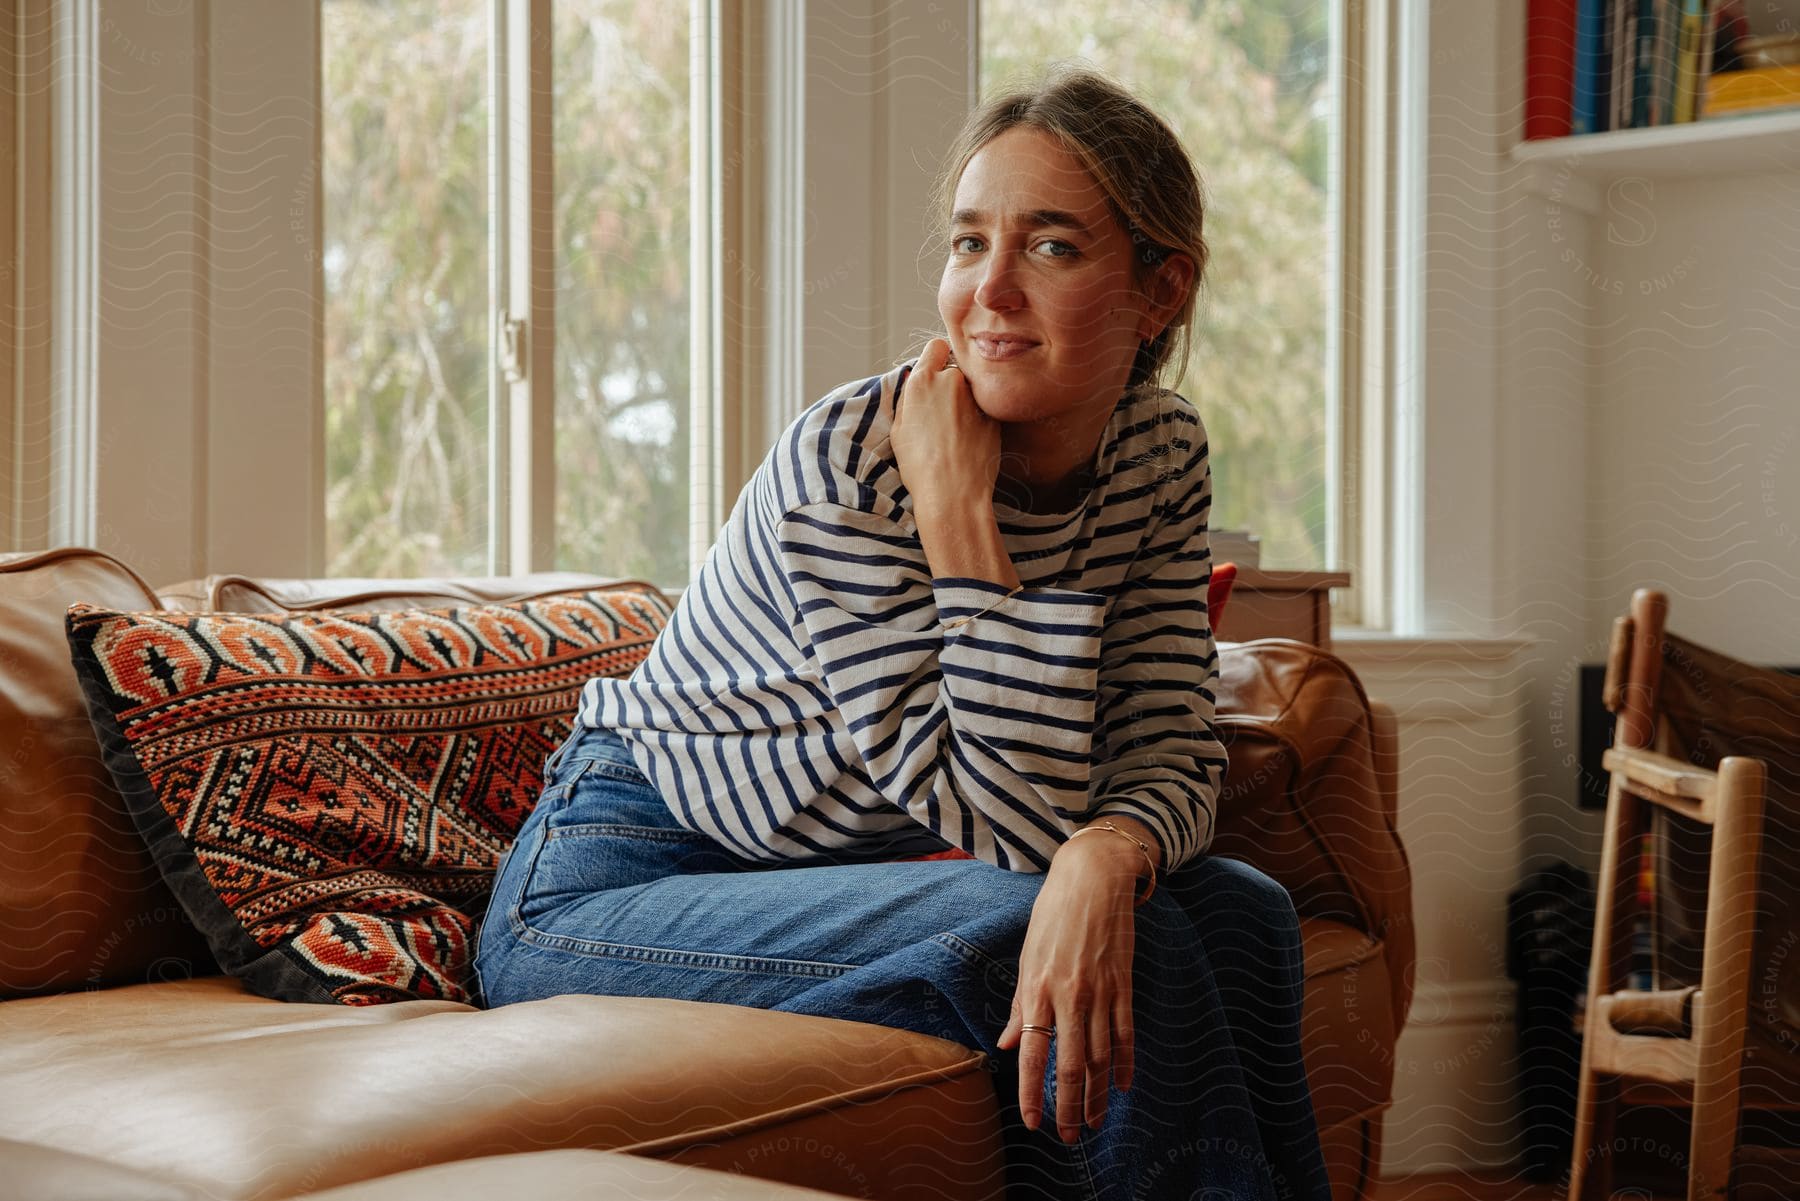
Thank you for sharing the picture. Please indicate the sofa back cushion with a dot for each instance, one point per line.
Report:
(264, 594)
(81, 905)
(329, 794)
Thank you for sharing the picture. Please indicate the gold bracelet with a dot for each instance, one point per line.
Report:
(1136, 842)
(951, 625)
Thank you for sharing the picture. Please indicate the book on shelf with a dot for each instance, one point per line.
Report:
(1687, 60)
(1753, 90)
(1549, 67)
(1624, 31)
(1235, 546)
(1597, 65)
(1589, 112)
(1643, 51)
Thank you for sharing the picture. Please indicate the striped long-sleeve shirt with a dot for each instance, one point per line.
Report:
(805, 697)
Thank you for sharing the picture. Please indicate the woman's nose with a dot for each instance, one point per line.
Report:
(999, 286)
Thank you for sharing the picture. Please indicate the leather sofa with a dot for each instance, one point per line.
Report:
(124, 1053)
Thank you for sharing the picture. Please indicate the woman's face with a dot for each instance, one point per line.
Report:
(1038, 297)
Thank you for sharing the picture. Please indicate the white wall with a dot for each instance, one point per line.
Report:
(1607, 402)
(1694, 455)
(208, 431)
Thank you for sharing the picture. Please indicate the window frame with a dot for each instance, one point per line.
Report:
(1362, 380)
(27, 403)
(764, 88)
(1361, 405)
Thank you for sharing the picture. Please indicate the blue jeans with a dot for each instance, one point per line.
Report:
(605, 893)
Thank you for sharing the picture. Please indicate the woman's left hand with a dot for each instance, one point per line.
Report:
(1075, 975)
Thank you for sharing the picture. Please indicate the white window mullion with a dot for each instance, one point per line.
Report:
(1368, 348)
(785, 229)
(708, 82)
(1406, 475)
(746, 329)
(521, 374)
(76, 142)
(499, 494)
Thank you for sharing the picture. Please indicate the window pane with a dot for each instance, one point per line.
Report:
(1246, 86)
(405, 91)
(622, 337)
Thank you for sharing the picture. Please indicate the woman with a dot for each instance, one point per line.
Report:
(960, 610)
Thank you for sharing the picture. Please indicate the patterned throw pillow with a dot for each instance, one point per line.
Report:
(329, 794)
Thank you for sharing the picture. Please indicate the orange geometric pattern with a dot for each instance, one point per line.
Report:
(329, 795)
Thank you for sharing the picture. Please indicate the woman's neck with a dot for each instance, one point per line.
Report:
(1057, 497)
(1048, 466)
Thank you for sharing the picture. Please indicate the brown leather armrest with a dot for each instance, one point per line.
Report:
(1311, 794)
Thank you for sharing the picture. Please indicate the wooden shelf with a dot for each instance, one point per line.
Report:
(1576, 170)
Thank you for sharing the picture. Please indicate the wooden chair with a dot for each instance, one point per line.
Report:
(1680, 708)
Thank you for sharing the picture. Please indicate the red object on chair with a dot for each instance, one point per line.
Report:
(1218, 591)
(1224, 575)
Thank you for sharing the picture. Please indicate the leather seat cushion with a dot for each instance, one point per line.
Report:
(206, 1086)
(47, 1174)
(568, 1176)
(1347, 1033)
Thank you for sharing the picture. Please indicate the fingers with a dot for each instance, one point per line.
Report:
(1071, 1078)
(1034, 1055)
(1010, 1035)
(1084, 1050)
(1098, 1066)
(934, 356)
(1124, 1039)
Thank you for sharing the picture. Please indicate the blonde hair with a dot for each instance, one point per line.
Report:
(1148, 179)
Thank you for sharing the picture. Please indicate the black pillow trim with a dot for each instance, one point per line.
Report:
(268, 973)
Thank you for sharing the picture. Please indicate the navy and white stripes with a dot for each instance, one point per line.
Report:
(805, 697)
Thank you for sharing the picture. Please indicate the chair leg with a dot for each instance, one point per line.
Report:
(1596, 1099)
(1721, 1009)
(1596, 1106)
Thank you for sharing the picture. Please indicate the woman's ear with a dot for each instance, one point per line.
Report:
(1168, 290)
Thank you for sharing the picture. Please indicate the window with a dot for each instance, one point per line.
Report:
(623, 221)
(405, 177)
(1248, 87)
(434, 164)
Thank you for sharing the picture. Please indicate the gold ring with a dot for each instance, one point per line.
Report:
(1024, 1026)
(951, 367)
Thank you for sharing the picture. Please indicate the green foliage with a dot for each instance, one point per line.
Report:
(406, 286)
(407, 328)
(1243, 82)
(622, 336)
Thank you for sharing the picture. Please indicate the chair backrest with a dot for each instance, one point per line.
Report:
(1702, 706)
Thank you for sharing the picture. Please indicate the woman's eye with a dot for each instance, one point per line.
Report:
(1057, 249)
(966, 244)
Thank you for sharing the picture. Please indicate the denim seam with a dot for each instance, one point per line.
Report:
(670, 957)
(613, 769)
(515, 914)
(965, 949)
(608, 829)
(555, 792)
(1087, 1168)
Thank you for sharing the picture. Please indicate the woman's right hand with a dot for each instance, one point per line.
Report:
(946, 448)
(1075, 977)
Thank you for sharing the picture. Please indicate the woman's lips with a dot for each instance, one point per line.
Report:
(1001, 349)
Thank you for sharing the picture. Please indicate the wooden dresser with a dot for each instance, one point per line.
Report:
(1282, 604)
